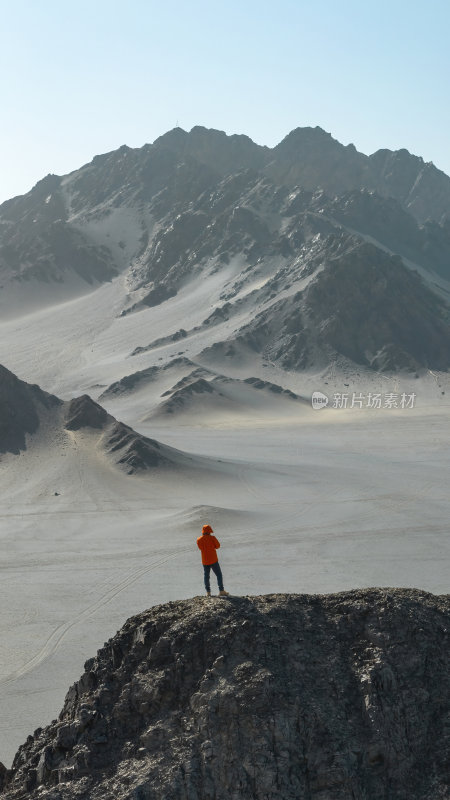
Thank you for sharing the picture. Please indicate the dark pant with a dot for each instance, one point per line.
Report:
(217, 572)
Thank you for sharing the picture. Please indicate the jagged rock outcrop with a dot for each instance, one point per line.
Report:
(188, 393)
(128, 448)
(277, 697)
(203, 390)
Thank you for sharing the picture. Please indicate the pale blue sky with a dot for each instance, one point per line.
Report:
(81, 78)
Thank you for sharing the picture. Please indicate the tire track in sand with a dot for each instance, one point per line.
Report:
(57, 636)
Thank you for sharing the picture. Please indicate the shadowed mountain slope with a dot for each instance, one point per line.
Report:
(21, 407)
(257, 698)
(26, 411)
(360, 303)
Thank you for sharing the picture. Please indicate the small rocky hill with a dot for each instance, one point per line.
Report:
(26, 411)
(127, 448)
(276, 697)
(201, 391)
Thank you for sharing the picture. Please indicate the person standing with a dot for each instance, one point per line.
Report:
(208, 544)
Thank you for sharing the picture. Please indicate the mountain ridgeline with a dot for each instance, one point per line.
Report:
(354, 249)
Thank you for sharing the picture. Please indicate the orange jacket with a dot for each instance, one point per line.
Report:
(208, 545)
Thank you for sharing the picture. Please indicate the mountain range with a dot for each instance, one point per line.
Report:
(323, 255)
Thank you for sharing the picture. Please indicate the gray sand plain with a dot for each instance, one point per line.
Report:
(301, 500)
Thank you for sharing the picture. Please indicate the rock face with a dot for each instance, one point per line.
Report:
(360, 303)
(83, 412)
(190, 392)
(311, 158)
(21, 407)
(37, 239)
(128, 449)
(276, 697)
(136, 452)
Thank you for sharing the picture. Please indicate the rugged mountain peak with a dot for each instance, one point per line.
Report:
(312, 158)
(215, 148)
(175, 139)
(237, 140)
(387, 161)
(201, 202)
(271, 698)
(420, 186)
(307, 136)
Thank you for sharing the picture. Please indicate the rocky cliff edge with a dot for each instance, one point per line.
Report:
(276, 697)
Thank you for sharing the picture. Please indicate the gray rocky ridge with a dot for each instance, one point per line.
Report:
(25, 409)
(277, 697)
(201, 203)
(201, 384)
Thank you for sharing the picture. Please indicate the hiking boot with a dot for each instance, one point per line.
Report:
(223, 593)
(208, 594)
